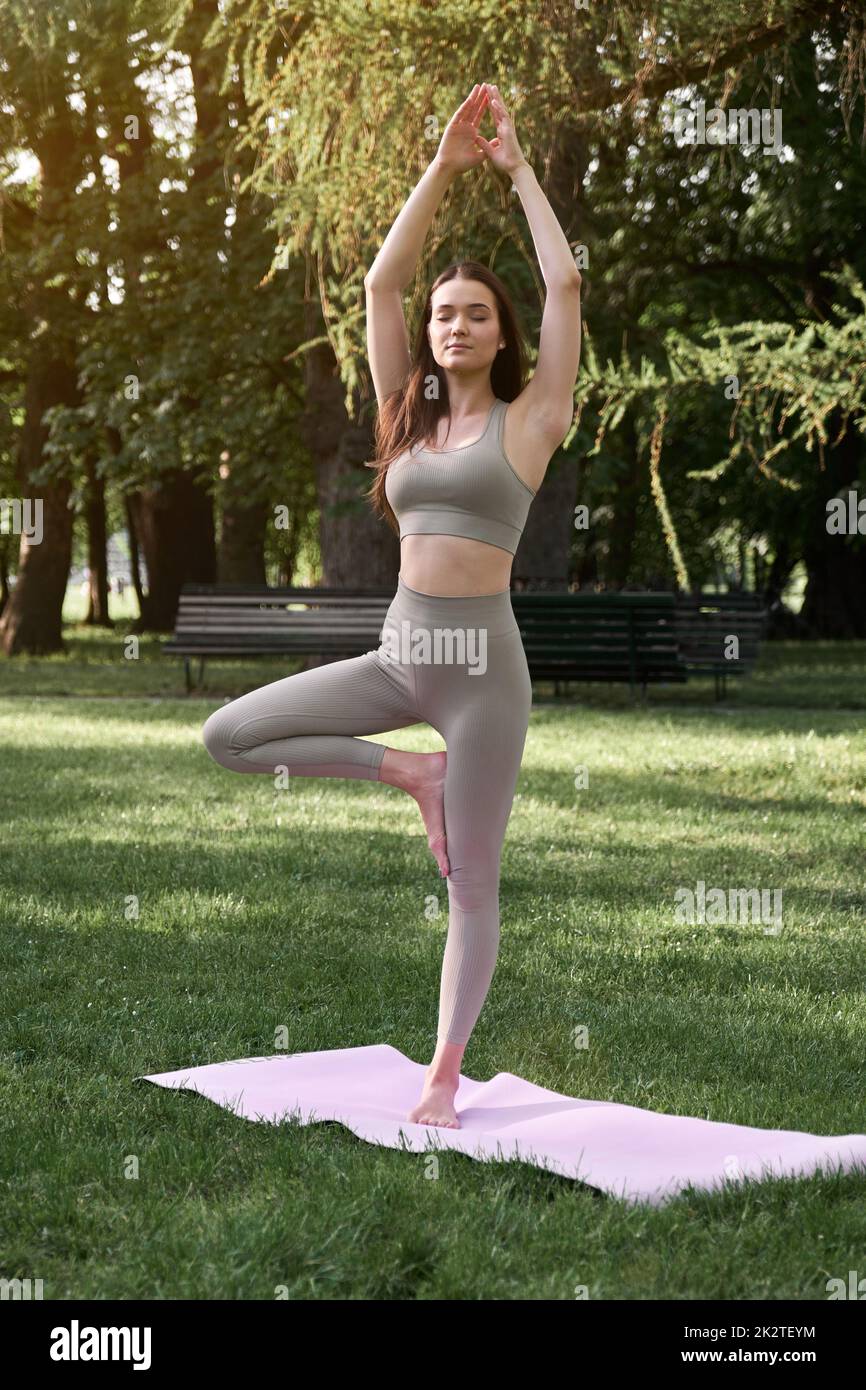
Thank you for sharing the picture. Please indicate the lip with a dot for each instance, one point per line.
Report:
(457, 347)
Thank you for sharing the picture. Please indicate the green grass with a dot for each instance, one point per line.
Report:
(101, 662)
(306, 908)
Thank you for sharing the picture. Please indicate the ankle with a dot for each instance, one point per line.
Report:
(396, 768)
(444, 1068)
(436, 1076)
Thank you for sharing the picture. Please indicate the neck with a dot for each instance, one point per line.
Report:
(466, 399)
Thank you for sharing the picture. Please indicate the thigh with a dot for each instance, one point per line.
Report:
(356, 696)
(484, 721)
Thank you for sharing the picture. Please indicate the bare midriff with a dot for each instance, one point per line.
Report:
(454, 566)
(457, 566)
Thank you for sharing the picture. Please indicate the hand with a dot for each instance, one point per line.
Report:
(459, 148)
(503, 151)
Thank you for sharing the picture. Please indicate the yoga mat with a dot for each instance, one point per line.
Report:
(629, 1153)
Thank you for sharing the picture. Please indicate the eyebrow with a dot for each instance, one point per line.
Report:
(469, 306)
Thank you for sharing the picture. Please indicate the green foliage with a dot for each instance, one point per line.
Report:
(184, 262)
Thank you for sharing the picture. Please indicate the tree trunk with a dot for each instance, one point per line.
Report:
(834, 605)
(33, 617)
(584, 568)
(835, 601)
(97, 559)
(289, 556)
(544, 549)
(781, 621)
(357, 547)
(4, 577)
(174, 528)
(242, 542)
(134, 566)
(626, 503)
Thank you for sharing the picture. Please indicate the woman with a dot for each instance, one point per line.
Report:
(462, 448)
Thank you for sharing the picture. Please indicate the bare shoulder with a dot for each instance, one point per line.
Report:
(530, 438)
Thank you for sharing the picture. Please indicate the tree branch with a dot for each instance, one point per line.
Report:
(693, 69)
(761, 269)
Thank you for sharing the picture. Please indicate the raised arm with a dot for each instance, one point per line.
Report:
(546, 405)
(387, 337)
(388, 350)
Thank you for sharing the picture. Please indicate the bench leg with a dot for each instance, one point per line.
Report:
(187, 667)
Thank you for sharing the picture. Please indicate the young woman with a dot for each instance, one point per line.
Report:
(462, 449)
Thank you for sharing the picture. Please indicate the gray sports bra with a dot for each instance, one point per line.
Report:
(472, 492)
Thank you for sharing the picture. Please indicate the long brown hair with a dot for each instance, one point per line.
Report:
(407, 416)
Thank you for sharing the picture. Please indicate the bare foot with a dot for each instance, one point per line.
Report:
(423, 776)
(429, 792)
(436, 1106)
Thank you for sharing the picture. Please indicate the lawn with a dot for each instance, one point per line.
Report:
(158, 911)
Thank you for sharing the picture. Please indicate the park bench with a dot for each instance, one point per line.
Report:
(599, 637)
(704, 624)
(255, 620)
(566, 636)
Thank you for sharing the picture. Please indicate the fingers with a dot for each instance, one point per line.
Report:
(497, 106)
(480, 102)
(482, 94)
(495, 98)
(467, 106)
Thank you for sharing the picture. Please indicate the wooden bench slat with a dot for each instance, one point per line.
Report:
(639, 637)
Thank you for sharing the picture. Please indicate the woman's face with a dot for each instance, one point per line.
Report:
(464, 312)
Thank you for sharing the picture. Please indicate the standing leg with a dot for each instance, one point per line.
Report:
(484, 721)
(484, 756)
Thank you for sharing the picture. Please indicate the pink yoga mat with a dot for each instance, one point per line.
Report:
(638, 1155)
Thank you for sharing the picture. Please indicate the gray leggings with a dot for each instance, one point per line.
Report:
(457, 664)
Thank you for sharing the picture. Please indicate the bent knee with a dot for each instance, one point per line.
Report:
(216, 736)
